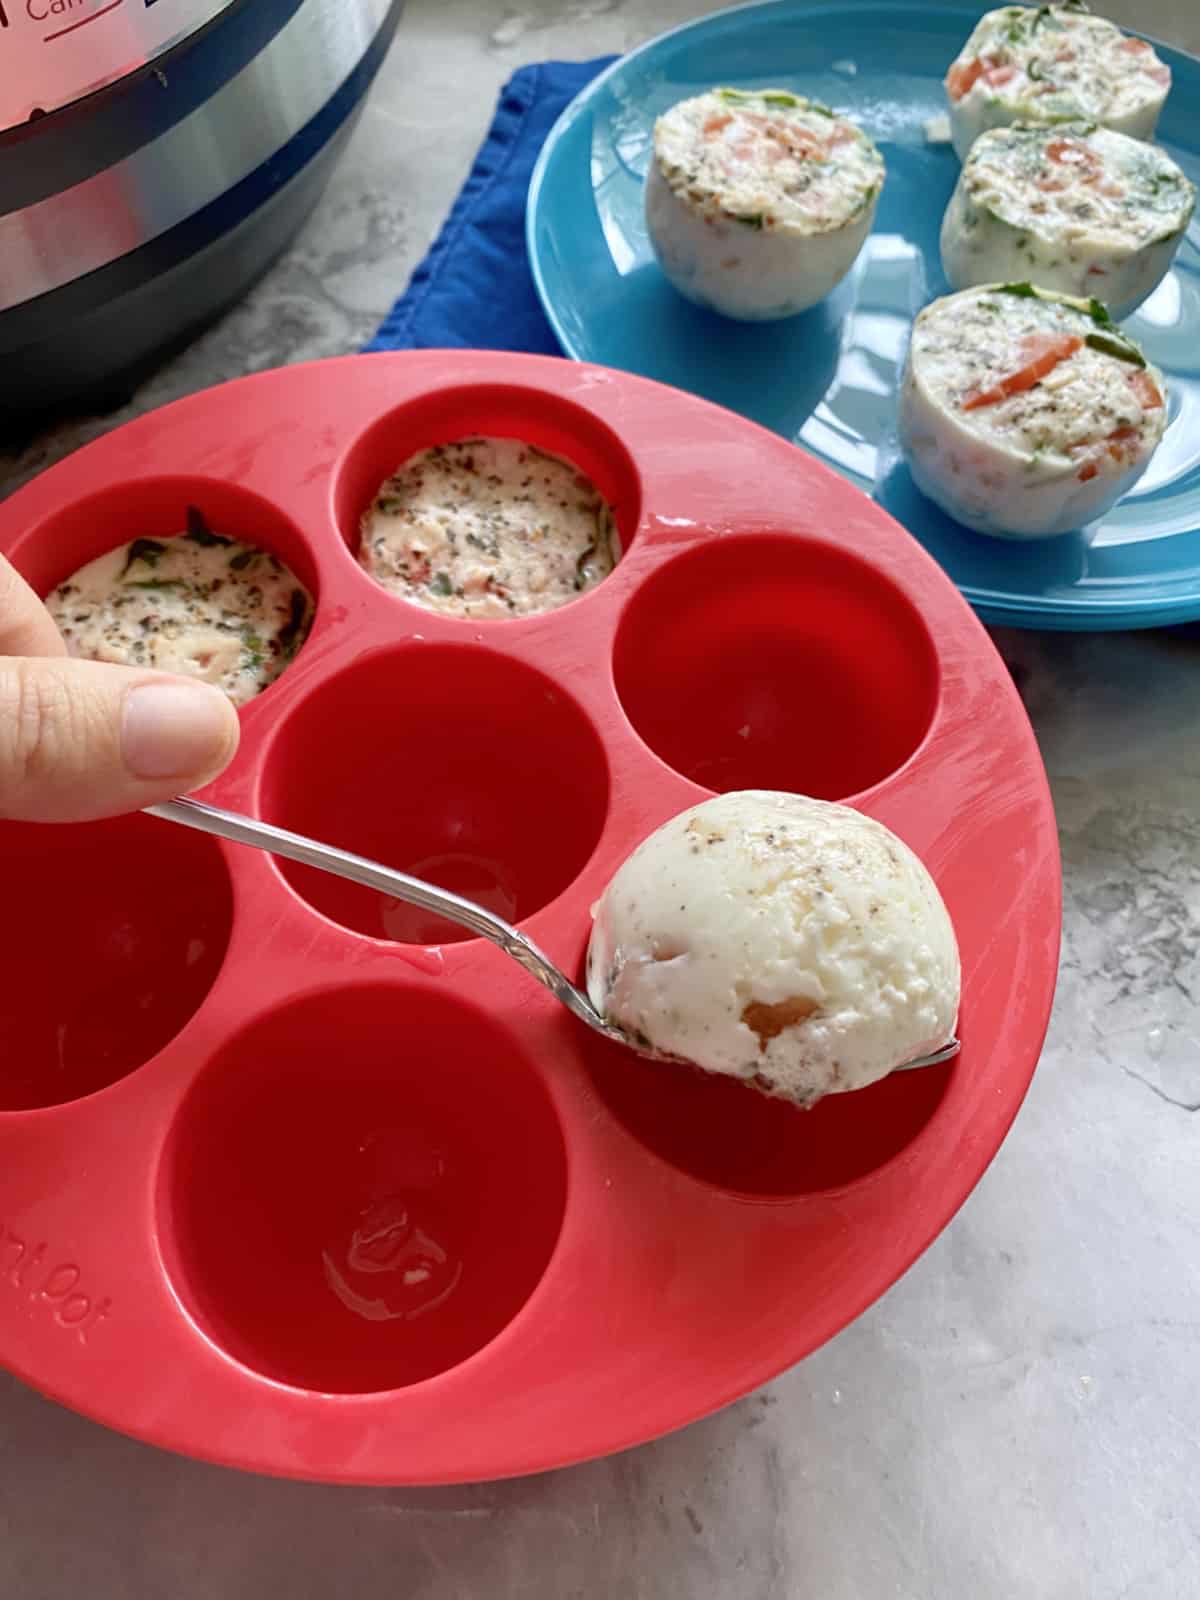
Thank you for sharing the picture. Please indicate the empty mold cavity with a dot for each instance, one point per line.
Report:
(769, 662)
(497, 411)
(122, 929)
(159, 509)
(727, 1134)
(362, 1190)
(451, 763)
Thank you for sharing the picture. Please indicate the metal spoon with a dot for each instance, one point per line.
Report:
(413, 891)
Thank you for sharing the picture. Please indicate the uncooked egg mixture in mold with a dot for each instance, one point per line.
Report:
(300, 1180)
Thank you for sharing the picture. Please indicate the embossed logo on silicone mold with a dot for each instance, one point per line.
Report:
(50, 1284)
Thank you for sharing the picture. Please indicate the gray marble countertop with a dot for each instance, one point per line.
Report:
(1018, 1419)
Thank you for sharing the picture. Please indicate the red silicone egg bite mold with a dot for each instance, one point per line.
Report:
(300, 1180)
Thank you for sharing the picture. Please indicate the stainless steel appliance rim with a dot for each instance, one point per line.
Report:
(131, 219)
(37, 81)
(256, 113)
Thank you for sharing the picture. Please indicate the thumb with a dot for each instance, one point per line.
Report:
(83, 739)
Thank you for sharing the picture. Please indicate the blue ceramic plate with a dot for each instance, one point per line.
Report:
(828, 379)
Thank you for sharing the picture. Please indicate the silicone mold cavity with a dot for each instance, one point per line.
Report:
(460, 766)
(362, 1189)
(157, 508)
(776, 663)
(720, 1132)
(123, 929)
(505, 411)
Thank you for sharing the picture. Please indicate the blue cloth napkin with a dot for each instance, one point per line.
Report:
(474, 289)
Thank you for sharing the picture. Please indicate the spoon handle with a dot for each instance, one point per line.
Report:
(386, 880)
(416, 892)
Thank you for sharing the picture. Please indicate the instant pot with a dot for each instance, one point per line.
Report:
(155, 156)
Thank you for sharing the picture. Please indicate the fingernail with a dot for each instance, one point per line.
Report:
(174, 730)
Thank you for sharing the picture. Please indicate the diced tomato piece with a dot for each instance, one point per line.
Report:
(1041, 353)
(791, 140)
(962, 78)
(1097, 272)
(1119, 442)
(1074, 154)
(766, 136)
(1076, 160)
(800, 142)
(717, 123)
(1146, 389)
(1120, 446)
(1132, 45)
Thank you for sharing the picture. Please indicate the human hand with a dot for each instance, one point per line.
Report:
(84, 739)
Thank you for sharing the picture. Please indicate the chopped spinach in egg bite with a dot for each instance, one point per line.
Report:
(488, 528)
(1073, 207)
(196, 603)
(1025, 413)
(758, 201)
(1053, 63)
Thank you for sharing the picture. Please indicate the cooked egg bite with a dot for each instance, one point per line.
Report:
(488, 528)
(196, 603)
(759, 201)
(1076, 208)
(1053, 63)
(793, 944)
(1025, 413)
